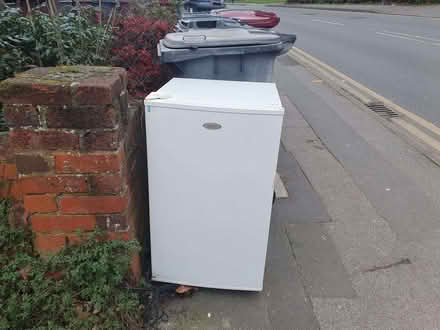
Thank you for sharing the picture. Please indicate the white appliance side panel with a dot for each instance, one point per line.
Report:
(210, 196)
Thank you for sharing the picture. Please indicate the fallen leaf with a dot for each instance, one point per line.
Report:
(183, 289)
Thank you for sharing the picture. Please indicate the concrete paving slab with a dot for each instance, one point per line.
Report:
(388, 299)
(362, 237)
(303, 204)
(320, 264)
(218, 309)
(292, 119)
(396, 197)
(375, 131)
(288, 305)
(425, 258)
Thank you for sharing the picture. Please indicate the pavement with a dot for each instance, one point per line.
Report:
(356, 245)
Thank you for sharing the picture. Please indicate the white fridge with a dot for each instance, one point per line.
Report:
(212, 155)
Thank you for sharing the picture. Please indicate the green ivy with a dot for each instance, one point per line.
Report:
(78, 288)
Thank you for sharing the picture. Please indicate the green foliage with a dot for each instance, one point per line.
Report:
(15, 242)
(16, 42)
(78, 288)
(43, 40)
(167, 12)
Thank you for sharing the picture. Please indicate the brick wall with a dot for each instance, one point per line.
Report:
(74, 157)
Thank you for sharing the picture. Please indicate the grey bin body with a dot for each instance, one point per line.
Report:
(224, 54)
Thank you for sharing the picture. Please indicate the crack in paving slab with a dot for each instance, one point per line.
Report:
(403, 261)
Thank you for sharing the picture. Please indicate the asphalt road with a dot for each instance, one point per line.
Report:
(397, 56)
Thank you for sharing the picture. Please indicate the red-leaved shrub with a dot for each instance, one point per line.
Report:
(135, 49)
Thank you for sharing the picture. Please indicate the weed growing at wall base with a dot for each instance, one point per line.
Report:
(78, 288)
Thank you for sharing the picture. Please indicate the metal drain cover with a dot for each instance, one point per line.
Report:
(382, 110)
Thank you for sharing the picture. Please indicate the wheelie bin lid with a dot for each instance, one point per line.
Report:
(220, 38)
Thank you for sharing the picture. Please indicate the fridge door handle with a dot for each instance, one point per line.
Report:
(212, 126)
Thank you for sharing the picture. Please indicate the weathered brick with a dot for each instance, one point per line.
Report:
(100, 141)
(49, 243)
(81, 117)
(92, 204)
(63, 85)
(122, 75)
(30, 140)
(27, 164)
(98, 90)
(123, 107)
(88, 163)
(53, 184)
(26, 89)
(112, 222)
(19, 115)
(105, 184)
(10, 172)
(40, 203)
(15, 191)
(62, 223)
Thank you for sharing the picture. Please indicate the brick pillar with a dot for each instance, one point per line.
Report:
(67, 132)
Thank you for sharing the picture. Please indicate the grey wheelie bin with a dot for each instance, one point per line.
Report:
(224, 54)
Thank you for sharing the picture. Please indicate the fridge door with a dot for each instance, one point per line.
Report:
(210, 185)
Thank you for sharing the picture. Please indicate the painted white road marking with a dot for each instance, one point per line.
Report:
(327, 22)
(407, 38)
(413, 36)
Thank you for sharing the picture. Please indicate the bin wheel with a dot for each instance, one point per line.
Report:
(273, 198)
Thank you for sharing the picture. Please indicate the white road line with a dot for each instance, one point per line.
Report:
(413, 36)
(327, 22)
(407, 38)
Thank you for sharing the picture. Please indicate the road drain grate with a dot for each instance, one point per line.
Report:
(382, 110)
